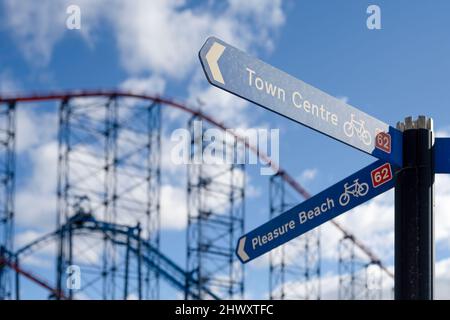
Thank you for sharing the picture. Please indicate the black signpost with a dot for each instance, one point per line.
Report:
(409, 158)
(414, 241)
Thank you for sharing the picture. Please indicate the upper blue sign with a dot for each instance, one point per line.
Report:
(234, 71)
(442, 155)
(341, 197)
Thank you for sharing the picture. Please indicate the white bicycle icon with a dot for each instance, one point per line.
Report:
(352, 126)
(356, 189)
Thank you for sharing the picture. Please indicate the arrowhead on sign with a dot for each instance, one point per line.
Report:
(212, 57)
(241, 253)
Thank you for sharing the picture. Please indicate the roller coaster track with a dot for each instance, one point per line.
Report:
(7, 259)
(121, 235)
(66, 95)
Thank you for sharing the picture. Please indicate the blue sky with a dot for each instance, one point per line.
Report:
(401, 70)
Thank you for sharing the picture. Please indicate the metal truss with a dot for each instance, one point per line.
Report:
(294, 270)
(216, 212)
(138, 252)
(359, 278)
(109, 151)
(7, 181)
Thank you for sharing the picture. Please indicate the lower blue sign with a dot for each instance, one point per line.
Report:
(341, 197)
(442, 155)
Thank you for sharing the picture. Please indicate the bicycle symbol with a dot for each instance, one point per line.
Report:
(352, 126)
(356, 189)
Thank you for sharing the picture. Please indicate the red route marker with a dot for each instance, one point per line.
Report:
(381, 175)
(383, 141)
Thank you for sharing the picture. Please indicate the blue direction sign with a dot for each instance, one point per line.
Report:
(341, 197)
(236, 72)
(442, 155)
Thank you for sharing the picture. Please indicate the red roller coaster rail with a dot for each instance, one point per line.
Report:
(34, 278)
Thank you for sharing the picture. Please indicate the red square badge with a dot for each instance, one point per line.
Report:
(383, 141)
(381, 175)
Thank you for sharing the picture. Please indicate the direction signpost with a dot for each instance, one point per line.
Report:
(407, 157)
(414, 221)
(330, 203)
(236, 72)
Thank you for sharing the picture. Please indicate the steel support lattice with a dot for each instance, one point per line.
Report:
(358, 278)
(294, 270)
(7, 180)
(128, 237)
(109, 167)
(216, 212)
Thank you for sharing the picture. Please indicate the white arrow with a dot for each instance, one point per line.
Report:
(212, 57)
(241, 251)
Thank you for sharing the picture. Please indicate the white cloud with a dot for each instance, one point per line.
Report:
(373, 222)
(442, 132)
(173, 207)
(40, 256)
(251, 190)
(165, 36)
(34, 129)
(442, 279)
(442, 205)
(158, 36)
(265, 12)
(266, 15)
(33, 25)
(37, 261)
(36, 144)
(220, 104)
(329, 284)
(309, 174)
(215, 197)
(149, 85)
(36, 201)
(38, 25)
(26, 237)
(344, 99)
